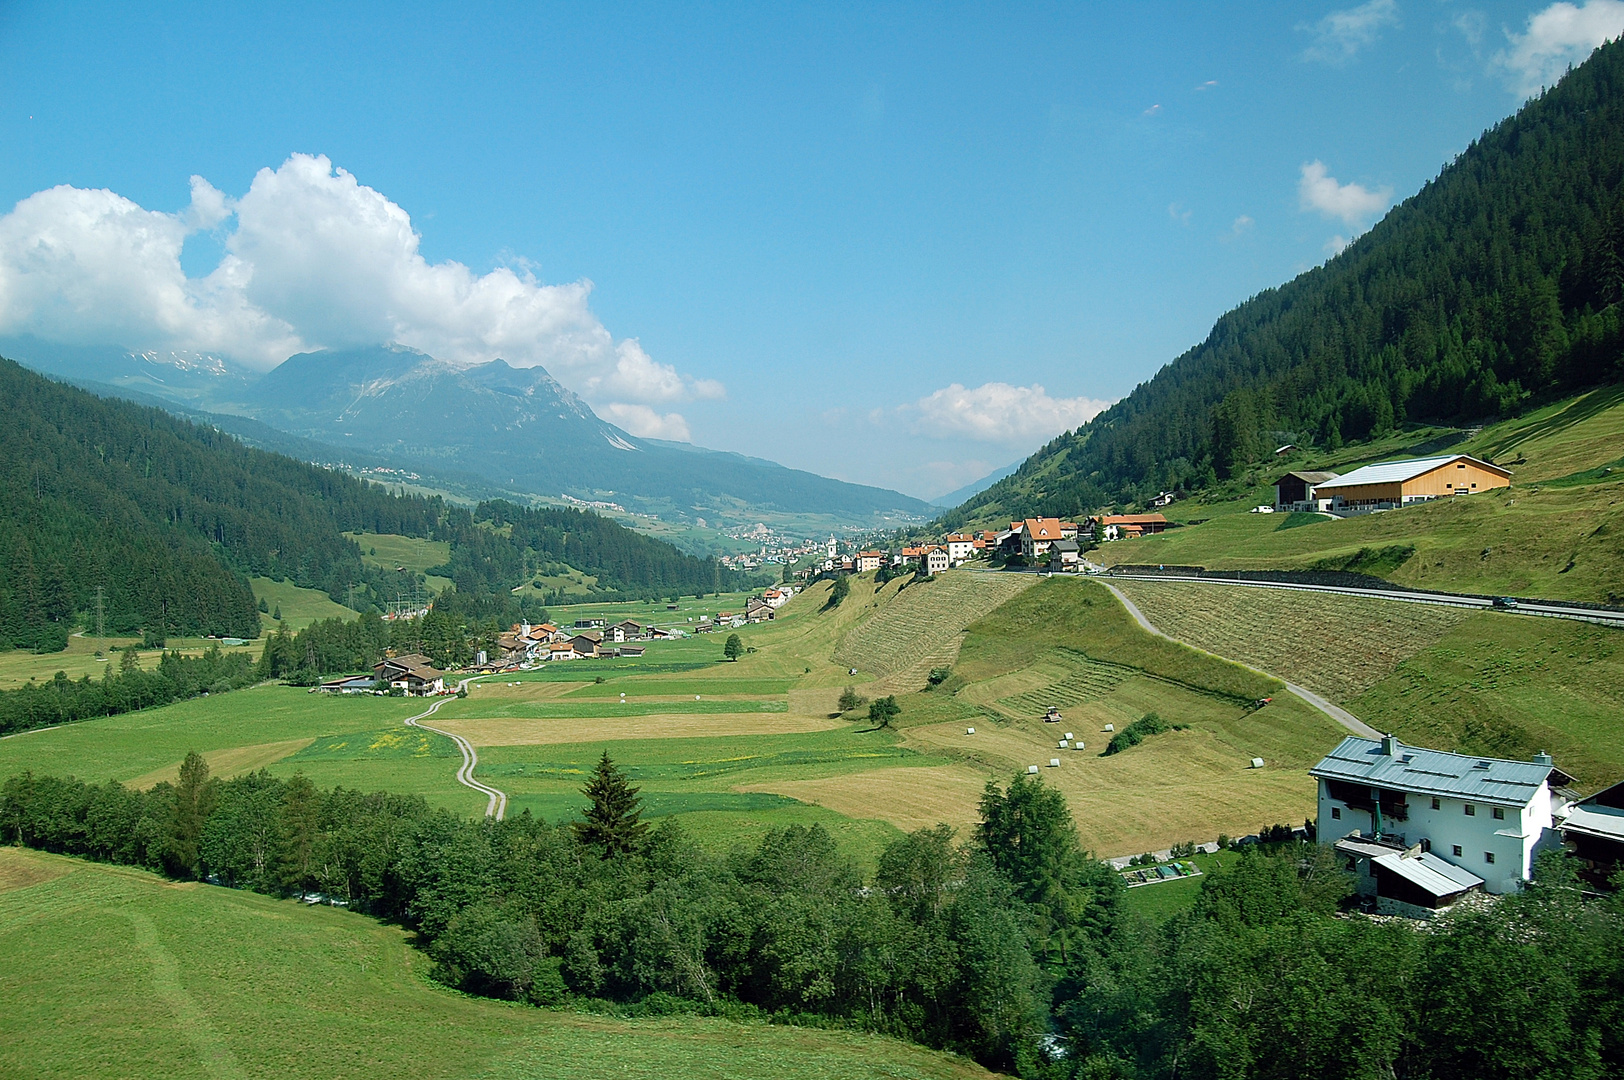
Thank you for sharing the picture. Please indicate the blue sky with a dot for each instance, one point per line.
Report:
(803, 225)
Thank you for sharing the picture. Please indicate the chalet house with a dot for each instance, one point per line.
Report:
(562, 650)
(1296, 491)
(960, 546)
(869, 560)
(1063, 555)
(1392, 484)
(1128, 526)
(936, 559)
(910, 556)
(757, 610)
(777, 598)
(1384, 805)
(1037, 534)
(627, 630)
(413, 673)
(586, 643)
(1593, 830)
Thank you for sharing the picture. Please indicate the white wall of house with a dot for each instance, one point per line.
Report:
(1456, 836)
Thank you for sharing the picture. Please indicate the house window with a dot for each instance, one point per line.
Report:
(1456, 850)
(1488, 856)
(1499, 813)
(1471, 811)
(1336, 813)
(1437, 804)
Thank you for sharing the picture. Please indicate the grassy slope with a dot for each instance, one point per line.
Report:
(1488, 682)
(299, 607)
(388, 551)
(79, 658)
(1068, 641)
(116, 972)
(1558, 532)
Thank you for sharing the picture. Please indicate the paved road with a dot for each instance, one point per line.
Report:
(1551, 609)
(1335, 712)
(497, 806)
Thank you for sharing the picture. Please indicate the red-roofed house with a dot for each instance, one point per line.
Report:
(1127, 526)
(960, 546)
(1038, 535)
(869, 560)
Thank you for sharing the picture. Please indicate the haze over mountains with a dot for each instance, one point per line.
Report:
(516, 427)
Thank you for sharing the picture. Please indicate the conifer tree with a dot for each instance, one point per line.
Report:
(614, 818)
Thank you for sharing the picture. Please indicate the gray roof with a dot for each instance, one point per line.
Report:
(1396, 472)
(1433, 772)
(1311, 477)
(1603, 821)
(1430, 872)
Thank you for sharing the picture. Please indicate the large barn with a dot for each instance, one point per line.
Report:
(1391, 484)
(1296, 491)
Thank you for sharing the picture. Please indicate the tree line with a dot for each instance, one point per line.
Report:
(1494, 289)
(1014, 946)
(62, 700)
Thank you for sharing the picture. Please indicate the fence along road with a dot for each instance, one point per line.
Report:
(497, 806)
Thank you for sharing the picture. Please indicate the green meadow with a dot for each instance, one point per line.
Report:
(117, 972)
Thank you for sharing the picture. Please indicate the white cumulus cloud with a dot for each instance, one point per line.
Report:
(313, 258)
(999, 412)
(1339, 36)
(645, 423)
(1354, 204)
(1561, 35)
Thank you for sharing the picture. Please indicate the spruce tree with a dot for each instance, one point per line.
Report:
(614, 818)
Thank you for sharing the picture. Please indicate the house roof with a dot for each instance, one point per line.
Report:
(1042, 528)
(1133, 519)
(959, 538)
(1602, 821)
(1397, 472)
(1064, 545)
(1433, 772)
(589, 635)
(1431, 873)
(1307, 476)
(414, 664)
(561, 646)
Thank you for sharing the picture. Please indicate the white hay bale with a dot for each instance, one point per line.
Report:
(1110, 727)
(1054, 763)
(969, 731)
(1032, 769)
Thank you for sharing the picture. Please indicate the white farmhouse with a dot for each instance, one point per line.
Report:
(1421, 827)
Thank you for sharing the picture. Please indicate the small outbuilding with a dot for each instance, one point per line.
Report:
(1295, 490)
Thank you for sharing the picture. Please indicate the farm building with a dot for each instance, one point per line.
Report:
(413, 673)
(628, 630)
(1593, 830)
(1483, 816)
(1127, 526)
(1391, 484)
(1063, 555)
(1295, 491)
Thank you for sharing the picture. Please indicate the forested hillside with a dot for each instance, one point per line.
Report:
(170, 518)
(1493, 289)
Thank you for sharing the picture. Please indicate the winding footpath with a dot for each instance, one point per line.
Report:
(1335, 712)
(497, 806)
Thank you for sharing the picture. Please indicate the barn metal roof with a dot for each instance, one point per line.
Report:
(1397, 472)
(1433, 772)
(1603, 821)
(1430, 872)
(1309, 476)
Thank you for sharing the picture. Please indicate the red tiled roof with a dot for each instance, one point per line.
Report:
(1043, 528)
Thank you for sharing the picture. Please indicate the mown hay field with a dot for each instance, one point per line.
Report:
(116, 972)
(1335, 645)
(924, 623)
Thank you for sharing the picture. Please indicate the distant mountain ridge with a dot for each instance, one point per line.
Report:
(1498, 286)
(518, 428)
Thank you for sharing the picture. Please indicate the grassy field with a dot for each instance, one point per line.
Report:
(1479, 682)
(299, 607)
(1335, 645)
(1067, 642)
(387, 551)
(1557, 532)
(116, 972)
(733, 749)
(79, 658)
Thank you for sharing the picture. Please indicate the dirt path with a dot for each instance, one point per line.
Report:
(1335, 712)
(497, 806)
